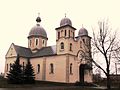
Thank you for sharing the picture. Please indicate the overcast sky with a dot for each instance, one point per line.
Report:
(17, 17)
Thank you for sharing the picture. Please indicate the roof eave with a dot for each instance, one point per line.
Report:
(65, 26)
(83, 36)
(37, 36)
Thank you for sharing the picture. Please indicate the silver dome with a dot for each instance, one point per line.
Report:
(38, 31)
(82, 32)
(65, 21)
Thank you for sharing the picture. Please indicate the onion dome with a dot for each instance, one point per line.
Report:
(65, 21)
(83, 32)
(38, 19)
(38, 30)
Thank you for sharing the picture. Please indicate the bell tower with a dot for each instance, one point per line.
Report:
(65, 35)
(84, 39)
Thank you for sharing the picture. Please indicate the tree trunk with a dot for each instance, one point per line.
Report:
(108, 82)
(108, 79)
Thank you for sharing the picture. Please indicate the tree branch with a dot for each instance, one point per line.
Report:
(99, 66)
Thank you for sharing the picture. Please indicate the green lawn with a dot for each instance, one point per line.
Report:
(48, 86)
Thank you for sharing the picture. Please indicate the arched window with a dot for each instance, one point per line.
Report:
(43, 42)
(65, 33)
(38, 68)
(80, 44)
(83, 40)
(69, 33)
(36, 41)
(70, 46)
(62, 45)
(58, 35)
(71, 68)
(7, 67)
(73, 35)
(51, 68)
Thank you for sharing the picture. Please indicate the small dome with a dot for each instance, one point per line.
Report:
(82, 32)
(38, 31)
(65, 21)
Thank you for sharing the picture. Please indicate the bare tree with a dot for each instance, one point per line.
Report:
(106, 43)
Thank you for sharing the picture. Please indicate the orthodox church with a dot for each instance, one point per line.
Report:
(68, 61)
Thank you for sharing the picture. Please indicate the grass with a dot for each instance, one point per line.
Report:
(42, 85)
(5, 84)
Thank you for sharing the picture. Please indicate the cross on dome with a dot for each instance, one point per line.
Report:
(65, 14)
(38, 14)
(38, 19)
(82, 26)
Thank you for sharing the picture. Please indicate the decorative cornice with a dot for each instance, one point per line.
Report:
(37, 36)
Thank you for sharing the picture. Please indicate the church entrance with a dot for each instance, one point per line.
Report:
(81, 73)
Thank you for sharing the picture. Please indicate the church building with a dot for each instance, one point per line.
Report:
(68, 61)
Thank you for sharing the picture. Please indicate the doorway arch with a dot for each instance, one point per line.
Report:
(81, 73)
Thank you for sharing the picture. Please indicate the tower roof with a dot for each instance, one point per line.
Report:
(83, 32)
(38, 30)
(65, 21)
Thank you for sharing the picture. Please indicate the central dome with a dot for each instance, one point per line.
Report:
(38, 31)
(65, 21)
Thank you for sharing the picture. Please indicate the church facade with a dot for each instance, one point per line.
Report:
(68, 61)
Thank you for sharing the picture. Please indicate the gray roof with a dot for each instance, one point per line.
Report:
(83, 32)
(22, 51)
(26, 52)
(45, 51)
(65, 21)
(38, 31)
